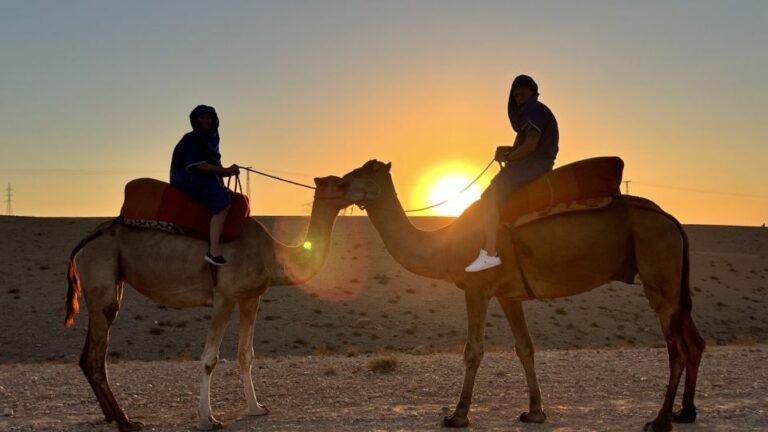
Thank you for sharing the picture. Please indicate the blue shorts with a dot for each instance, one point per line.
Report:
(211, 193)
(517, 174)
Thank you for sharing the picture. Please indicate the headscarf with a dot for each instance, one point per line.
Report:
(209, 136)
(517, 114)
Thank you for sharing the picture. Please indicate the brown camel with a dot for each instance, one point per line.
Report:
(560, 256)
(169, 270)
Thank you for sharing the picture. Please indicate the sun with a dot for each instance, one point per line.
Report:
(448, 188)
(445, 182)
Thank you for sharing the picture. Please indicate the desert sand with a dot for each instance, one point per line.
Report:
(314, 342)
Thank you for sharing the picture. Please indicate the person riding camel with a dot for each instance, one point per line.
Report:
(196, 170)
(532, 155)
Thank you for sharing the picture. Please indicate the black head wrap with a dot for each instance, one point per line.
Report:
(527, 82)
(202, 109)
(521, 81)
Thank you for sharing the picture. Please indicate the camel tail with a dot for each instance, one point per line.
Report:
(686, 303)
(685, 277)
(72, 307)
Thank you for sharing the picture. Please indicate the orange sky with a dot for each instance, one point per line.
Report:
(101, 95)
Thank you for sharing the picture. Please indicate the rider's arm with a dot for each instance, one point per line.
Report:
(209, 168)
(530, 142)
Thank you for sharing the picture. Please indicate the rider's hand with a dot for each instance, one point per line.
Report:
(501, 153)
(233, 170)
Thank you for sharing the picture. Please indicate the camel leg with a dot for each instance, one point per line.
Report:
(694, 345)
(477, 306)
(222, 310)
(672, 329)
(103, 304)
(525, 352)
(248, 310)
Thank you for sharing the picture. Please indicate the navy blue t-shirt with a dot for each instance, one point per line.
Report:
(534, 114)
(192, 150)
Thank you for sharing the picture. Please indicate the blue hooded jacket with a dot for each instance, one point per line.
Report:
(195, 148)
(537, 115)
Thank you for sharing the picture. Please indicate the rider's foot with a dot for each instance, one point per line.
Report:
(483, 262)
(215, 260)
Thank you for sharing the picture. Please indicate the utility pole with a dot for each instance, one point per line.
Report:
(626, 187)
(8, 200)
(248, 184)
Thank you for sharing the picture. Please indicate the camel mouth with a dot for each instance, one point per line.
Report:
(359, 190)
(330, 188)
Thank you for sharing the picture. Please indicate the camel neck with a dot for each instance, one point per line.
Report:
(421, 252)
(299, 263)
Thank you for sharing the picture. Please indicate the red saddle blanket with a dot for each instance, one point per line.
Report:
(153, 200)
(582, 181)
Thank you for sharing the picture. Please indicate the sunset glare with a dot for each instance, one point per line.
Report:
(448, 188)
(445, 182)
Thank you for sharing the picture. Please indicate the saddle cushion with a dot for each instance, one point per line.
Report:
(155, 204)
(577, 186)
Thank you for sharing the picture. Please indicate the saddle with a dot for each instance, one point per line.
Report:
(587, 184)
(155, 204)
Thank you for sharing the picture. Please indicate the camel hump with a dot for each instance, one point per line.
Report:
(585, 184)
(155, 204)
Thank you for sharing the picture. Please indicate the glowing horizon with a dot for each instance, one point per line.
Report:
(96, 95)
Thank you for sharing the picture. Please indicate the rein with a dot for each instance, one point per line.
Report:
(460, 192)
(249, 169)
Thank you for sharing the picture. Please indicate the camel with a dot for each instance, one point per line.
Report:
(169, 269)
(558, 256)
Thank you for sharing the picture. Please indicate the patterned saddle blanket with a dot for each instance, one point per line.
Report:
(588, 184)
(155, 204)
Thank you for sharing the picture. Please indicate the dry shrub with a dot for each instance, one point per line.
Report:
(324, 350)
(186, 356)
(382, 365)
(745, 340)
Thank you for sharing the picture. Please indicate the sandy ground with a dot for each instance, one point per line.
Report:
(600, 390)
(364, 301)
(599, 357)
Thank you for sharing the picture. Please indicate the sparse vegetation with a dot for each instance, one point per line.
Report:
(382, 365)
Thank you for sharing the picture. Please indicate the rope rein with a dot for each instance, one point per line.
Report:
(460, 192)
(249, 169)
(277, 178)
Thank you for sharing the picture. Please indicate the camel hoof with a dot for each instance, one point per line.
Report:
(658, 426)
(210, 424)
(535, 417)
(685, 415)
(130, 426)
(454, 421)
(259, 411)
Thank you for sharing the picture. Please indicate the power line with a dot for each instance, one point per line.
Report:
(710, 192)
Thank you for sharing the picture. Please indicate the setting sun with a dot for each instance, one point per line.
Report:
(445, 182)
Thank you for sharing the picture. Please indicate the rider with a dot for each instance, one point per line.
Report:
(532, 155)
(196, 170)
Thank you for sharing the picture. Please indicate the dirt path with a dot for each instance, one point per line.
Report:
(605, 390)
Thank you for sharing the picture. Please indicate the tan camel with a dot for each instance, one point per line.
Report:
(169, 269)
(561, 256)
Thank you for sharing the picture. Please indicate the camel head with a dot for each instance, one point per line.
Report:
(330, 191)
(366, 183)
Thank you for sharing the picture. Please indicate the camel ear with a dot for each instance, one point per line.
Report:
(318, 181)
(389, 166)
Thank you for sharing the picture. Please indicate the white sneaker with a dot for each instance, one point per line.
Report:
(483, 262)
